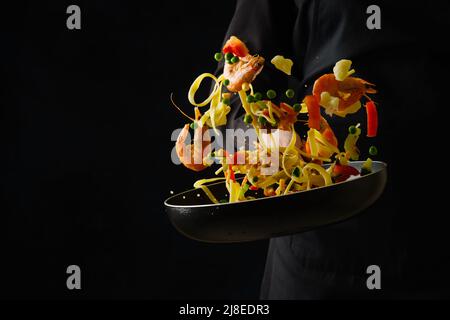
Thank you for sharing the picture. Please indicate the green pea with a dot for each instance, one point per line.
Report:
(226, 101)
(218, 56)
(258, 96)
(255, 179)
(352, 129)
(250, 99)
(297, 107)
(262, 120)
(193, 125)
(290, 93)
(248, 119)
(234, 59)
(373, 151)
(271, 94)
(228, 56)
(226, 82)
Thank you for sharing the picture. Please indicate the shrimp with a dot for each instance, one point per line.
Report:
(243, 71)
(349, 91)
(191, 156)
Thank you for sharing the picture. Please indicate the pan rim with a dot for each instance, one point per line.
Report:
(383, 165)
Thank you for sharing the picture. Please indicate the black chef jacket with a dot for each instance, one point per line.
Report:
(404, 232)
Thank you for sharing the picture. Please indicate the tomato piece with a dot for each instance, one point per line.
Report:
(344, 170)
(236, 47)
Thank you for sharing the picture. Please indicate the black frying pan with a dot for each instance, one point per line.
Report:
(193, 214)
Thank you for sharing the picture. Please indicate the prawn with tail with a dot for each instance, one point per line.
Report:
(349, 91)
(191, 156)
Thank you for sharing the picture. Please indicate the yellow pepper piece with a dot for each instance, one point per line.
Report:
(283, 64)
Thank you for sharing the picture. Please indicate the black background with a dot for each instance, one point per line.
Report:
(85, 148)
(86, 125)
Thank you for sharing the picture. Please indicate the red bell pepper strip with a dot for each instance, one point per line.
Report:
(287, 108)
(372, 119)
(253, 188)
(328, 134)
(232, 176)
(236, 47)
(313, 112)
(307, 147)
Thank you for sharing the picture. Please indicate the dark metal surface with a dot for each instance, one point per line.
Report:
(193, 214)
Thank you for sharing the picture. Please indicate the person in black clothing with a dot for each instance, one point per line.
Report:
(404, 231)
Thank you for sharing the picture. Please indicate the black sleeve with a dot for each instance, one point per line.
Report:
(266, 27)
